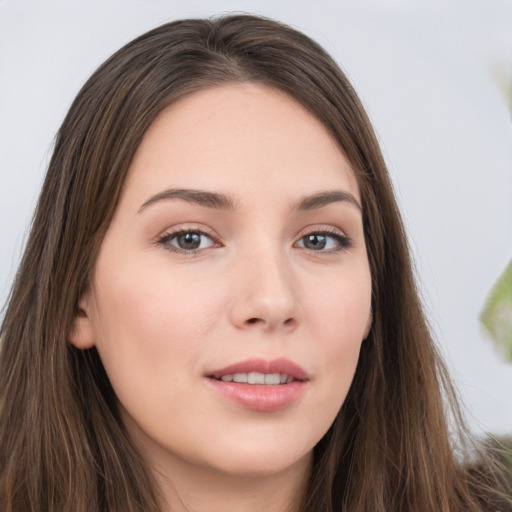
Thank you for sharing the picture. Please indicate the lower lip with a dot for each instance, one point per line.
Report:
(260, 397)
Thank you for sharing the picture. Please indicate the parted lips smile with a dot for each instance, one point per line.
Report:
(261, 385)
(259, 371)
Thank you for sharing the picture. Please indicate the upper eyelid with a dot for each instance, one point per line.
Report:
(205, 231)
(175, 231)
(329, 229)
(326, 232)
(195, 227)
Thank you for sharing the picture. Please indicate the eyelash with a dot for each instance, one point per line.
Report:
(343, 242)
(165, 240)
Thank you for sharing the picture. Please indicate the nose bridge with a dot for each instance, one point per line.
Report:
(267, 293)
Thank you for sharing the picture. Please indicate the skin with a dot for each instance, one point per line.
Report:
(163, 317)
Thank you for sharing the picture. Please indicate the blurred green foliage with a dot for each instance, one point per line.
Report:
(496, 316)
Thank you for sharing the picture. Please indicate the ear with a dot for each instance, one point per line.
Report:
(81, 334)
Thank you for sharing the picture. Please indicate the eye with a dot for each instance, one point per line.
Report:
(187, 241)
(325, 241)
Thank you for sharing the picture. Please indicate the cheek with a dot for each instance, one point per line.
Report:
(150, 328)
(145, 305)
(150, 333)
(340, 305)
(340, 312)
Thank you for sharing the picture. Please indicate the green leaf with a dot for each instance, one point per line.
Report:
(496, 316)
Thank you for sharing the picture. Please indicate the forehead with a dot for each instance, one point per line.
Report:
(240, 137)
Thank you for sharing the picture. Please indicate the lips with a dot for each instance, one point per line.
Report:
(260, 385)
(281, 366)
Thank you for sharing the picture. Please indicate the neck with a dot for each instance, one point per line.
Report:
(185, 488)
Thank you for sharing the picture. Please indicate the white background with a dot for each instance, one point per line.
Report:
(436, 78)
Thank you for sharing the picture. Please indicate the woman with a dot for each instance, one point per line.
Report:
(216, 308)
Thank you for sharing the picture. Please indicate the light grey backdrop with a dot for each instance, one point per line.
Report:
(436, 78)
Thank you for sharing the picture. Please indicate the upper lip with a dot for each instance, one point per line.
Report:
(280, 365)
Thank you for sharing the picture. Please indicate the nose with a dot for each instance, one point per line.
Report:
(266, 295)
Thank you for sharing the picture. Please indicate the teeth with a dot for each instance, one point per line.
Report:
(255, 378)
(272, 379)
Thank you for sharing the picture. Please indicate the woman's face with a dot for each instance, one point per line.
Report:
(232, 290)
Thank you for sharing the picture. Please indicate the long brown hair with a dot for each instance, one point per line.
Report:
(63, 446)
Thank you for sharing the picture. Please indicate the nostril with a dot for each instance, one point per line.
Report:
(255, 320)
(270, 323)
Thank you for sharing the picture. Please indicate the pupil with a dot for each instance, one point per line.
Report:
(315, 241)
(189, 241)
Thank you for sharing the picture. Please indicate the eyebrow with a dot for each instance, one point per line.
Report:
(200, 197)
(220, 201)
(322, 199)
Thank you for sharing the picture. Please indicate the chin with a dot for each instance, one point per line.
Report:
(261, 457)
(263, 464)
